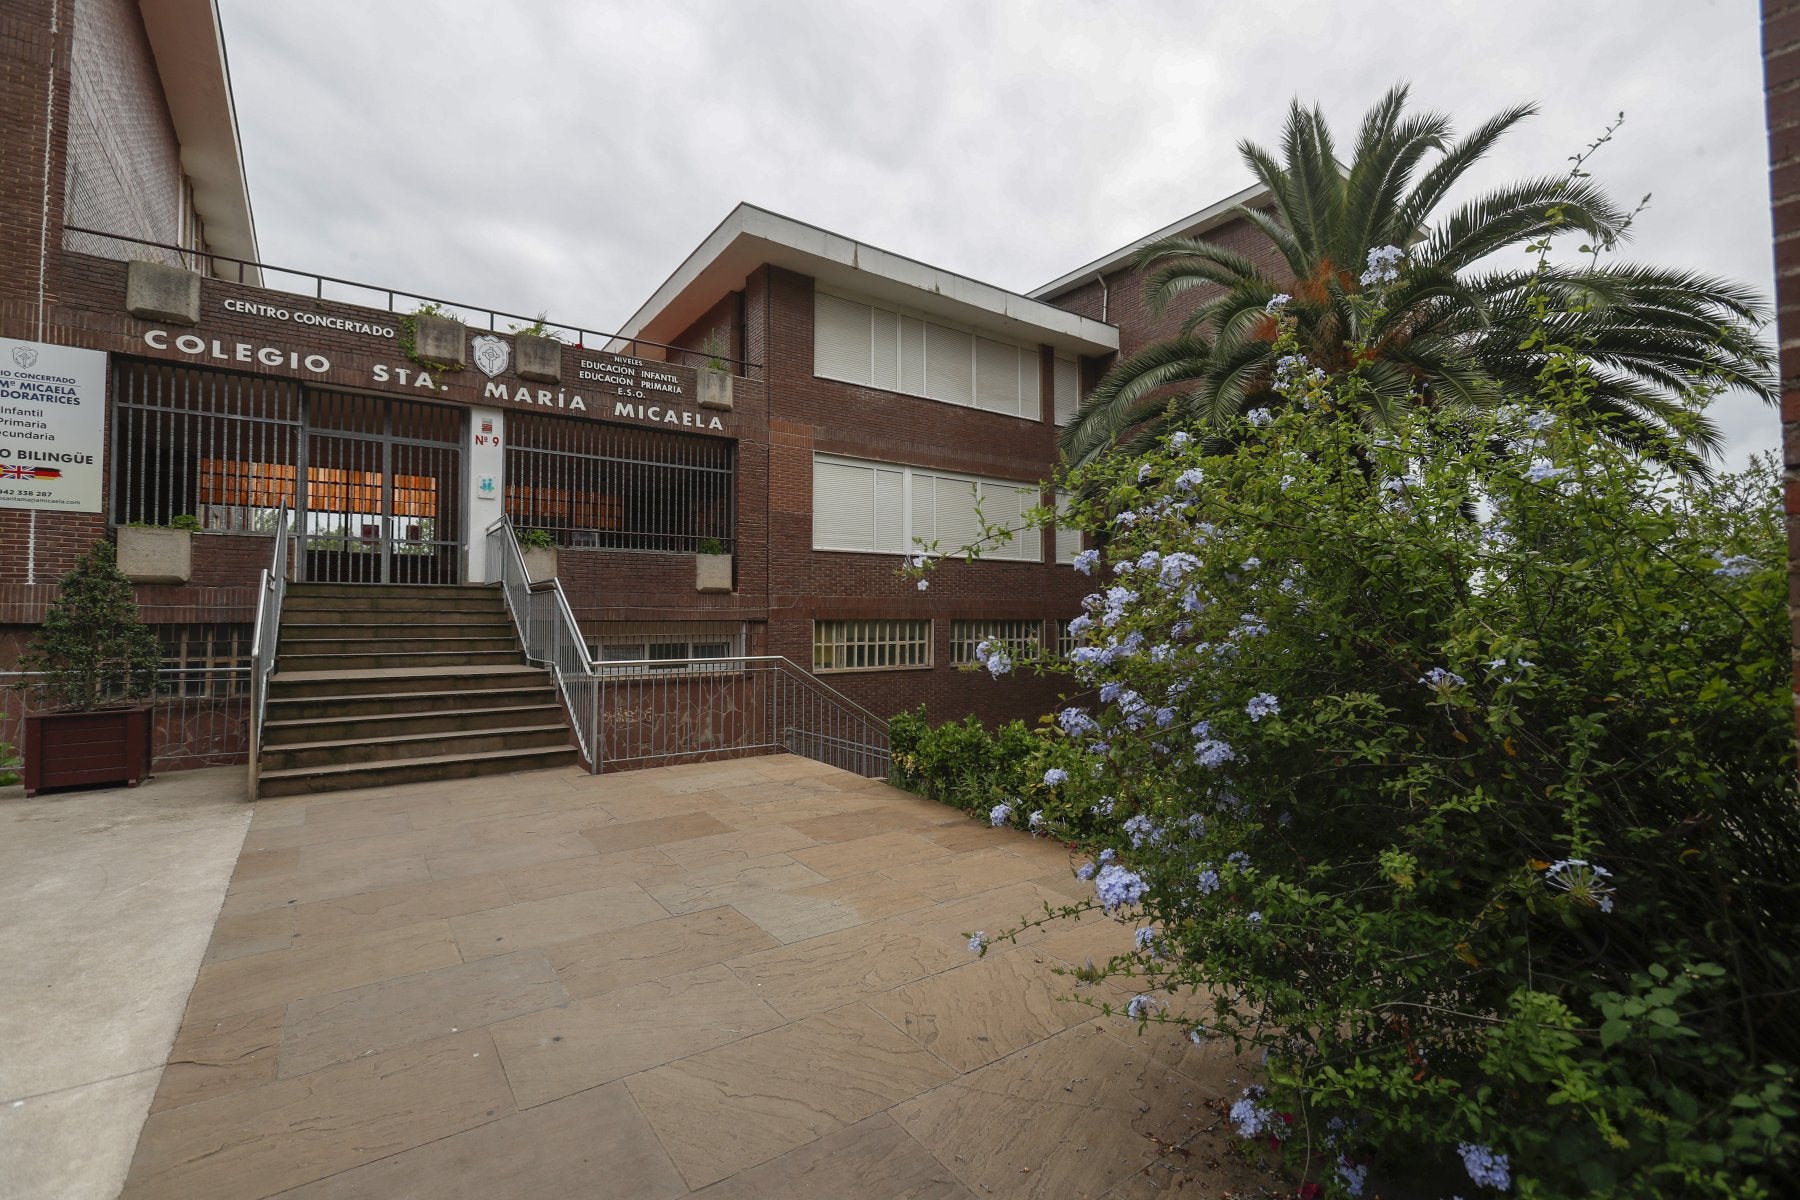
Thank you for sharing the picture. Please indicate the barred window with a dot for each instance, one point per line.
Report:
(595, 485)
(673, 642)
(204, 660)
(870, 645)
(1021, 637)
(1065, 640)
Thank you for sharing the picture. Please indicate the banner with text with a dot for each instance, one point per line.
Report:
(52, 426)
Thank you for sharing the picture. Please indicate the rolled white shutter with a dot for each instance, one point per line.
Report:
(949, 365)
(912, 356)
(1030, 386)
(996, 376)
(841, 339)
(957, 526)
(1068, 390)
(890, 510)
(843, 506)
(884, 349)
(924, 511)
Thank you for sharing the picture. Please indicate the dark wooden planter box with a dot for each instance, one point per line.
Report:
(68, 749)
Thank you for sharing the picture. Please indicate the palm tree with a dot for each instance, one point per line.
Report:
(1450, 329)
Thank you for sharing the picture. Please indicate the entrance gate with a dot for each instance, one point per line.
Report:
(382, 499)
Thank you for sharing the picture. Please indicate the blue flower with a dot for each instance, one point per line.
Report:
(1141, 830)
(1189, 479)
(999, 814)
(1262, 705)
(1255, 918)
(1035, 821)
(1484, 1166)
(1251, 1117)
(1142, 1006)
(1080, 625)
(1384, 265)
(1108, 854)
(1584, 881)
(1084, 562)
(924, 585)
(1197, 1035)
(1207, 881)
(1354, 1176)
(1543, 471)
(1145, 938)
(1238, 859)
(1076, 723)
(1085, 871)
(1179, 439)
(1442, 679)
(1196, 825)
(1103, 809)
(1259, 417)
(1276, 303)
(1054, 776)
(1736, 566)
(1115, 887)
(979, 943)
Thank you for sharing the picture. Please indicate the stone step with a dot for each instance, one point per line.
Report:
(403, 641)
(489, 602)
(472, 625)
(307, 780)
(375, 660)
(300, 685)
(402, 704)
(294, 731)
(367, 590)
(412, 745)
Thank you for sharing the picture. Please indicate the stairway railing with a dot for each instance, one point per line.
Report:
(548, 629)
(271, 591)
(652, 712)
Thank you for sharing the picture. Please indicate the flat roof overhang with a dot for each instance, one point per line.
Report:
(189, 46)
(1210, 217)
(750, 237)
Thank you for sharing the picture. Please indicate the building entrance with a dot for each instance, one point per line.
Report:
(382, 499)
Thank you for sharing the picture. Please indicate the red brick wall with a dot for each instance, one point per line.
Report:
(808, 414)
(34, 68)
(1781, 82)
(124, 163)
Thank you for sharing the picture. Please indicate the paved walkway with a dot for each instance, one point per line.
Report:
(107, 902)
(742, 979)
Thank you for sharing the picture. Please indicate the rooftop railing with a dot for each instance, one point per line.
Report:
(369, 295)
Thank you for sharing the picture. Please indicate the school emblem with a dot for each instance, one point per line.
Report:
(491, 354)
(24, 357)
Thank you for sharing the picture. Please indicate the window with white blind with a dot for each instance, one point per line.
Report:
(885, 348)
(1068, 538)
(890, 509)
(1066, 389)
(1020, 637)
(870, 645)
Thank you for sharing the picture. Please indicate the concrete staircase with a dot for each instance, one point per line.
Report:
(389, 683)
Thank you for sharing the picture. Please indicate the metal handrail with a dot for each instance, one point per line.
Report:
(271, 591)
(319, 282)
(554, 639)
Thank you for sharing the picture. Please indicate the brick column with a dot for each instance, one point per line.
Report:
(1781, 87)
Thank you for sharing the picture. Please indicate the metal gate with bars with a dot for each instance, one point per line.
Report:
(375, 484)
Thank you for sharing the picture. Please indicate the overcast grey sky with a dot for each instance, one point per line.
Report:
(567, 156)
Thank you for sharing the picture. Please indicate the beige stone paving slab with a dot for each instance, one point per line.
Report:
(381, 847)
(951, 923)
(1214, 1065)
(261, 864)
(872, 1158)
(486, 858)
(865, 822)
(486, 803)
(251, 933)
(278, 813)
(838, 968)
(320, 828)
(560, 1051)
(318, 1031)
(557, 919)
(540, 881)
(723, 1110)
(264, 1140)
(727, 883)
(300, 886)
(982, 1011)
(645, 803)
(654, 831)
(320, 966)
(224, 1054)
(965, 874)
(963, 835)
(608, 962)
(1079, 1110)
(870, 897)
(584, 1147)
(795, 916)
(734, 846)
(877, 852)
(407, 904)
(790, 813)
(538, 822)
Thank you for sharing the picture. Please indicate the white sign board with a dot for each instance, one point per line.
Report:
(52, 426)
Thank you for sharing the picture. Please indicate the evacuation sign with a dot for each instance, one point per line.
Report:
(52, 426)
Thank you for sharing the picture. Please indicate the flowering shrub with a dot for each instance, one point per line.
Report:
(1448, 757)
(1009, 777)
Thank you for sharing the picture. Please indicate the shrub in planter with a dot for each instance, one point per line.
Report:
(93, 656)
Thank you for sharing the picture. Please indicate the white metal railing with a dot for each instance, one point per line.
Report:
(199, 715)
(652, 712)
(271, 591)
